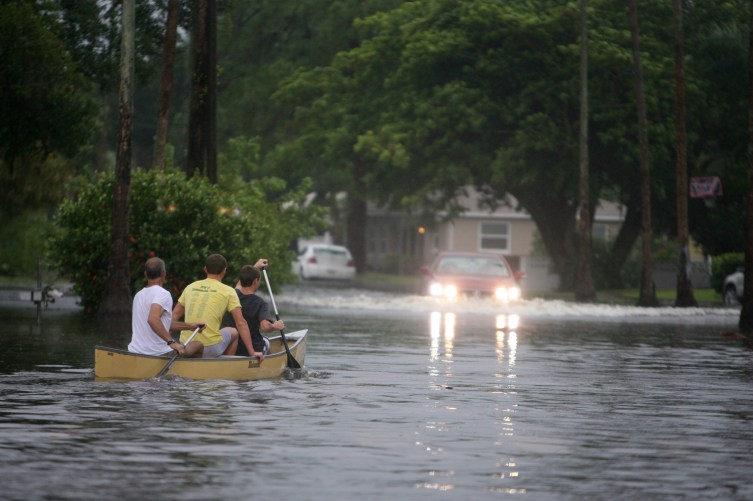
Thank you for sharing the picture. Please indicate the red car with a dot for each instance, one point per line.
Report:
(454, 274)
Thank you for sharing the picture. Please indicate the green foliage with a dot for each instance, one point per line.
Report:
(46, 109)
(182, 221)
(24, 238)
(723, 265)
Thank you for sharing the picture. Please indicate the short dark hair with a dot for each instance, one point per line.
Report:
(248, 275)
(154, 268)
(215, 264)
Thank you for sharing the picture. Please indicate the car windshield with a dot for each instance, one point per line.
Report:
(473, 265)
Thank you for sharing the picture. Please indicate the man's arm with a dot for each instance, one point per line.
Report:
(245, 334)
(155, 322)
(178, 311)
(269, 326)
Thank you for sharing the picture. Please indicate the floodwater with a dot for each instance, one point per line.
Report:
(400, 398)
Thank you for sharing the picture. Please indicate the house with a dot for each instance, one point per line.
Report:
(401, 242)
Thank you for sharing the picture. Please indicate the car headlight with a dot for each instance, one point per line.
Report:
(507, 293)
(437, 289)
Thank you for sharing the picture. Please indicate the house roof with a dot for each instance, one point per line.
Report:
(471, 200)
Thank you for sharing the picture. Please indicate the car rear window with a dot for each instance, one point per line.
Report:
(331, 254)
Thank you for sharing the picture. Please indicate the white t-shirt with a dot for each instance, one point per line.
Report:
(144, 340)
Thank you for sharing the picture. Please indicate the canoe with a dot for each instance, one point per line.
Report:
(117, 364)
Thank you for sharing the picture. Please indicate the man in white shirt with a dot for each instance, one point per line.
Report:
(152, 317)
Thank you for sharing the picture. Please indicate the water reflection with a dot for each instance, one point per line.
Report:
(506, 393)
(506, 327)
(441, 325)
(455, 374)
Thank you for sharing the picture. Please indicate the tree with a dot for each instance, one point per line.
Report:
(746, 312)
(684, 296)
(647, 294)
(584, 289)
(202, 127)
(43, 125)
(171, 29)
(116, 296)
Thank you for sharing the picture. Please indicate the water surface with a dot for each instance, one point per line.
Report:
(400, 398)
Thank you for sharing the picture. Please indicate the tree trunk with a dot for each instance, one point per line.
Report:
(648, 288)
(621, 248)
(356, 218)
(684, 296)
(746, 313)
(210, 130)
(116, 299)
(166, 86)
(197, 119)
(554, 218)
(584, 289)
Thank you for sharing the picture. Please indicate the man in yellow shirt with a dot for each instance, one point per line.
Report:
(207, 301)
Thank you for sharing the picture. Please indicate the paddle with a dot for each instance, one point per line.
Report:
(292, 362)
(170, 363)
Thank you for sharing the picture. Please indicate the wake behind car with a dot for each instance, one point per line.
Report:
(471, 274)
(324, 261)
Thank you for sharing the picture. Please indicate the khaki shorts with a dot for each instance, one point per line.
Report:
(215, 350)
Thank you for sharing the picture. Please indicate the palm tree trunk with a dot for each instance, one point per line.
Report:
(647, 295)
(746, 313)
(197, 147)
(211, 102)
(684, 296)
(584, 289)
(116, 299)
(166, 86)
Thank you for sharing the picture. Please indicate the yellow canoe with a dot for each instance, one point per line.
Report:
(117, 364)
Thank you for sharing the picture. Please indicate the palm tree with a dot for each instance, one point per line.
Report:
(116, 298)
(584, 289)
(166, 85)
(647, 295)
(684, 295)
(746, 313)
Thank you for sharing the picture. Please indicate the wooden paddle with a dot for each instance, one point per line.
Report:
(170, 363)
(292, 362)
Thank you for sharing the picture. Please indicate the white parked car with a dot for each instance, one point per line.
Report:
(324, 261)
(733, 288)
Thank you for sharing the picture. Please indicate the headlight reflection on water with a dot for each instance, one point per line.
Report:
(441, 325)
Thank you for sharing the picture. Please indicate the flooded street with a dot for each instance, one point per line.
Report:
(401, 397)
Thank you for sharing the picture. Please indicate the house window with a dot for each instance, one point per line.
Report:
(600, 231)
(495, 237)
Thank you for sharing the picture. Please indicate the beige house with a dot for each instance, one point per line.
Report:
(404, 242)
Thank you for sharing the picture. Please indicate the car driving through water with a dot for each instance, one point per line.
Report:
(471, 274)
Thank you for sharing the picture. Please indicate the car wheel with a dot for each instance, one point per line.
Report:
(730, 296)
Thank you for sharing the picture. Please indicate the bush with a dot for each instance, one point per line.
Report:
(182, 221)
(723, 265)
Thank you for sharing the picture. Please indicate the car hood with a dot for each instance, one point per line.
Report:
(475, 282)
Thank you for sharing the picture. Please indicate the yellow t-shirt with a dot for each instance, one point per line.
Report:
(207, 300)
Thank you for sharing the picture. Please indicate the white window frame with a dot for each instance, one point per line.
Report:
(506, 236)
